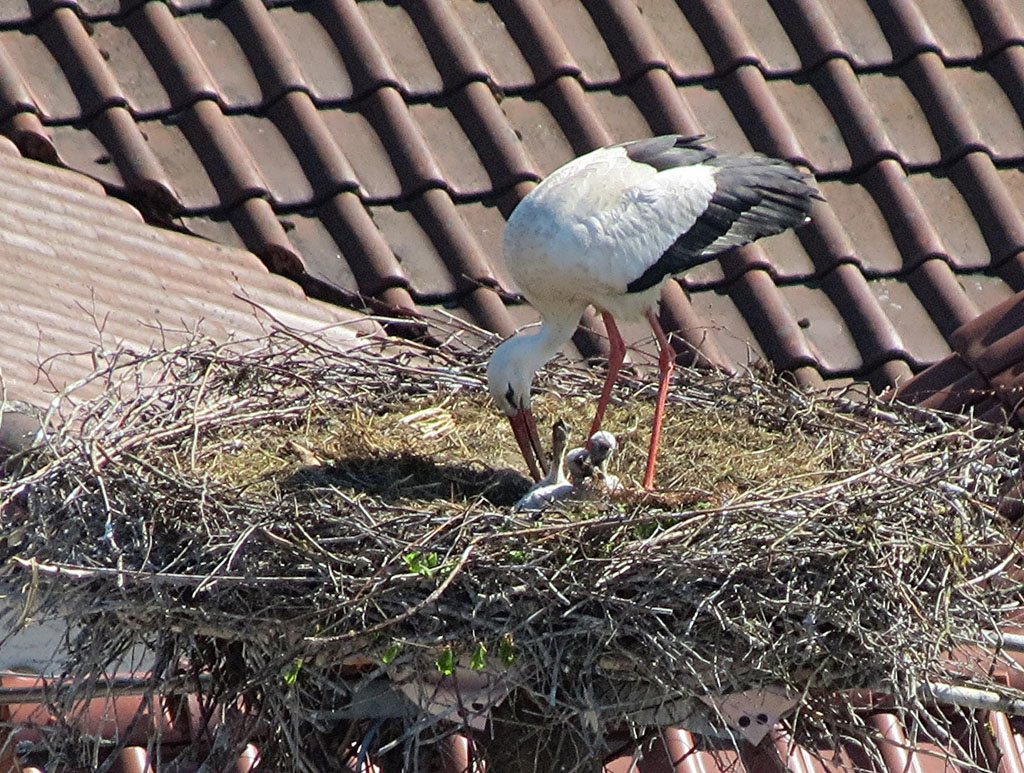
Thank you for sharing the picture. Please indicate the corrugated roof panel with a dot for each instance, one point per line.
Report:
(88, 267)
(276, 124)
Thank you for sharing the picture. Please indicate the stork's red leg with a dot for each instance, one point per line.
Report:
(616, 354)
(666, 364)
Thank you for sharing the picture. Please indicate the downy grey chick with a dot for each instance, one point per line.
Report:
(554, 486)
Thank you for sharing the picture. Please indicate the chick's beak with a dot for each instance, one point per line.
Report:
(525, 430)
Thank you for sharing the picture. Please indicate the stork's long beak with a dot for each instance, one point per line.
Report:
(525, 430)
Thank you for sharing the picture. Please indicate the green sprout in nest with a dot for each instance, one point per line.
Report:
(289, 525)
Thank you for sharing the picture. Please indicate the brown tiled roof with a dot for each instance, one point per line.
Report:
(81, 273)
(985, 371)
(372, 150)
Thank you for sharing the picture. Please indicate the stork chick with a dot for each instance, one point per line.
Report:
(554, 486)
(588, 467)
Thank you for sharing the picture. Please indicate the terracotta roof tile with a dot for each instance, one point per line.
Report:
(371, 149)
(889, 121)
(995, 201)
(30, 63)
(818, 141)
(323, 72)
(946, 296)
(675, 44)
(999, 23)
(460, 167)
(222, 58)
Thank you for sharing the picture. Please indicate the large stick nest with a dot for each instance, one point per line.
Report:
(283, 521)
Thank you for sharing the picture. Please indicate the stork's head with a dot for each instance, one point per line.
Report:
(509, 379)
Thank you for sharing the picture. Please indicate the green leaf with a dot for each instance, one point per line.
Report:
(291, 674)
(507, 649)
(391, 652)
(446, 661)
(477, 659)
(421, 563)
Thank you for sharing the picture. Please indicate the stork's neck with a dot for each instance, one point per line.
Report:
(557, 326)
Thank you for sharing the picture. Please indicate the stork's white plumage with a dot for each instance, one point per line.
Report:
(608, 229)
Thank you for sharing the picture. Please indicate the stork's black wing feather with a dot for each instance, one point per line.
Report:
(754, 196)
(668, 151)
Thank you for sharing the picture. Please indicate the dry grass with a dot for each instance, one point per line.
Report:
(410, 448)
(290, 522)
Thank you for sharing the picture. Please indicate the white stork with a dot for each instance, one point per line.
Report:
(608, 229)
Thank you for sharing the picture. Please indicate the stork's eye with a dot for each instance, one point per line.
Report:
(510, 396)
